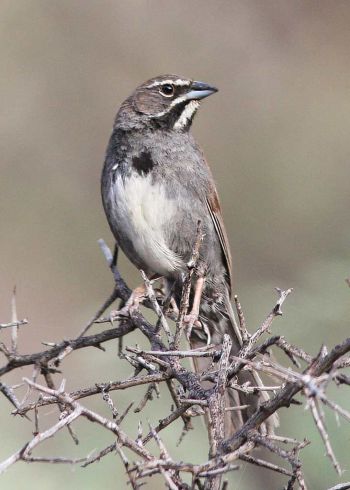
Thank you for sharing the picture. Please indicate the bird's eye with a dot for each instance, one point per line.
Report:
(167, 90)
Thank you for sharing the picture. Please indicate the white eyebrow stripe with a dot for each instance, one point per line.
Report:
(179, 82)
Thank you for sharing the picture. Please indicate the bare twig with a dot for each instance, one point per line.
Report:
(26, 450)
(341, 486)
(192, 393)
(323, 433)
(96, 389)
(9, 394)
(14, 320)
(16, 361)
(242, 324)
(18, 323)
(100, 454)
(276, 311)
(216, 411)
(265, 464)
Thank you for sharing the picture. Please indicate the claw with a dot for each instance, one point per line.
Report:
(112, 316)
(116, 314)
(136, 298)
(190, 322)
(207, 333)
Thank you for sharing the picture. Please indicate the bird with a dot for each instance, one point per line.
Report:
(156, 187)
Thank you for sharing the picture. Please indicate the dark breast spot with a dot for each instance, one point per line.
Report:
(143, 163)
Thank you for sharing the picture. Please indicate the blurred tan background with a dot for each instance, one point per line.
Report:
(276, 135)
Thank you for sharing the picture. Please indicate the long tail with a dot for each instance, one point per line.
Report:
(220, 320)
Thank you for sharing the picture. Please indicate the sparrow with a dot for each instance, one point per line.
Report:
(156, 187)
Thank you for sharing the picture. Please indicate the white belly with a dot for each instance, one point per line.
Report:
(143, 212)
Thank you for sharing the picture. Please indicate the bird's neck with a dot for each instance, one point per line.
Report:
(151, 139)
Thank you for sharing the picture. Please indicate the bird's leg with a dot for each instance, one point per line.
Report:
(191, 320)
(169, 303)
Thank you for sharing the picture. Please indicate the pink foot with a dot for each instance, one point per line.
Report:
(191, 321)
(136, 298)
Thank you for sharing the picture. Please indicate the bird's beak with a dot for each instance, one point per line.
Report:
(199, 90)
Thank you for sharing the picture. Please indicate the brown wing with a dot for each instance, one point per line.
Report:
(216, 215)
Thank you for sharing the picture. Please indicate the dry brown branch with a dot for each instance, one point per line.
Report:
(163, 363)
(312, 402)
(94, 390)
(265, 464)
(216, 412)
(24, 453)
(7, 391)
(242, 324)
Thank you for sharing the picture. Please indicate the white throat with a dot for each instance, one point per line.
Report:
(186, 115)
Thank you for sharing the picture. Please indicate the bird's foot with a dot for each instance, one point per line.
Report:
(191, 322)
(136, 298)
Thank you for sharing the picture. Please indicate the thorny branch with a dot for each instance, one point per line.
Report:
(164, 364)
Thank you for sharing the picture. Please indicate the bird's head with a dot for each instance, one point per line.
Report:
(168, 102)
